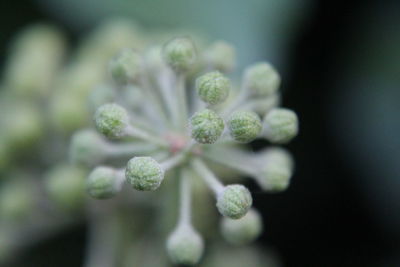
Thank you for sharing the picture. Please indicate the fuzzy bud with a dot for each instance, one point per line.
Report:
(261, 79)
(185, 246)
(244, 126)
(144, 173)
(234, 201)
(65, 185)
(213, 87)
(277, 170)
(126, 67)
(180, 54)
(206, 126)
(221, 56)
(281, 125)
(103, 183)
(111, 120)
(243, 230)
(87, 148)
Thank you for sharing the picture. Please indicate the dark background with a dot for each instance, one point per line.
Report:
(324, 218)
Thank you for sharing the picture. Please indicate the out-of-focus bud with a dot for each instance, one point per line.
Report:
(221, 56)
(126, 67)
(111, 120)
(180, 54)
(261, 79)
(281, 125)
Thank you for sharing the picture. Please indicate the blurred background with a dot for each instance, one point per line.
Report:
(340, 66)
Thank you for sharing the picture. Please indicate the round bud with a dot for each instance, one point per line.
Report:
(277, 170)
(103, 183)
(126, 67)
(206, 126)
(213, 87)
(87, 148)
(281, 125)
(180, 54)
(234, 201)
(243, 230)
(65, 185)
(244, 126)
(185, 246)
(16, 199)
(261, 79)
(144, 173)
(221, 56)
(111, 120)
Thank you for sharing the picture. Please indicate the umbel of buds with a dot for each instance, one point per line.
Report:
(185, 100)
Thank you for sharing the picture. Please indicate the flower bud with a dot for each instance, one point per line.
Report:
(103, 183)
(65, 185)
(243, 230)
(206, 126)
(281, 125)
(144, 173)
(261, 79)
(111, 120)
(16, 199)
(244, 126)
(277, 170)
(87, 148)
(185, 246)
(213, 87)
(180, 54)
(234, 201)
(221, 56)
(126, 67)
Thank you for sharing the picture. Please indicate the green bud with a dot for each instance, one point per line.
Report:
(244, 126)
(221, 56)
(180, 54)
(277, 170)
(234, 201)
(16, 199)
(23, 126)
(185, 246)
(243, 230)
(126, 67)
(111, 120)
(261, 79)
(144, 173)
(103, 183)
(281, 125)
(87, 148)
(213, 87)
(65, 185)
(206, 126)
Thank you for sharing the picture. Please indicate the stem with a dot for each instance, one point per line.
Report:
(120, 150)
(142, 134)
(104, 237)
(209, 177)
(233, 158)
(182, 101)
(240, 99)
(165, 83)
(173, 161)
(185, 198)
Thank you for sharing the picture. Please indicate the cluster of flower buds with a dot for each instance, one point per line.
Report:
(172, 107)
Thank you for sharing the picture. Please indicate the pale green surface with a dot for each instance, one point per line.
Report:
(144, 173)
(234, 201)
(244, 126)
